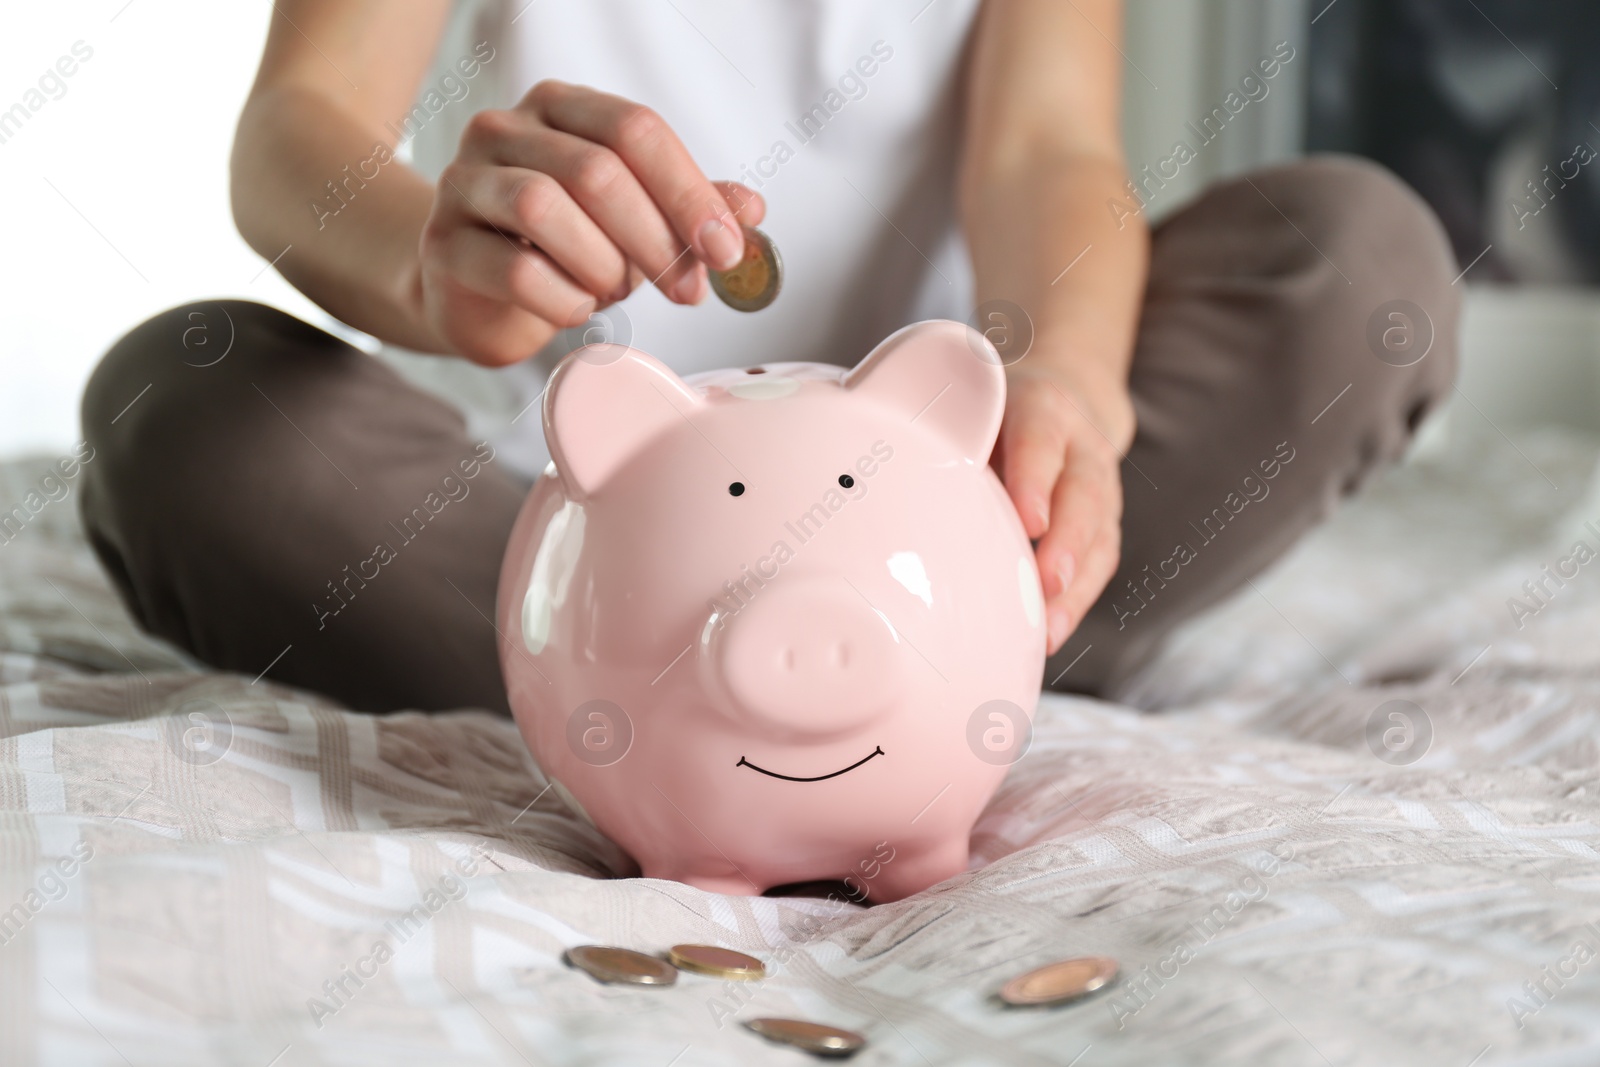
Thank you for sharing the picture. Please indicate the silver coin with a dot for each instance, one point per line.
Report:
(815, 1038)
(754, 282)
(621, 965)
(1059, 982)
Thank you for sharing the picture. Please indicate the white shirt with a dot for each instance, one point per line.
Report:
(843, 114)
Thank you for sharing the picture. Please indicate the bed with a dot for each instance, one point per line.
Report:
(1286, 872)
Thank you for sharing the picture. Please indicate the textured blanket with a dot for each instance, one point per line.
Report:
(1348, 817)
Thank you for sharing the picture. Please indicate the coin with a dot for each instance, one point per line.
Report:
(754, 282)
(717, 962)
(814, 1038)
(605, 964)
(1059, 982)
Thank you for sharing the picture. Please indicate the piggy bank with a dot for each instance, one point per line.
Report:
(776, 624)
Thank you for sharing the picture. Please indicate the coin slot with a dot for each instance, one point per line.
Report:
(736, 489)
(755, 370)
(821, 890)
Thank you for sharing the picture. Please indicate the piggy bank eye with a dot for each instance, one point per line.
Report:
(736, 489)
(846, 481)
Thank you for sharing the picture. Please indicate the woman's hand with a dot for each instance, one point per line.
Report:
(1060, 454)
(1042, 167)
(561, 205)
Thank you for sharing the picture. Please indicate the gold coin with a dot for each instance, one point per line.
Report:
(1059, 982)
(717, 962)
(815, 1038)
(754, 282)
(605, 964)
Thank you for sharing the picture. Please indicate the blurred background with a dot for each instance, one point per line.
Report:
(114, 176)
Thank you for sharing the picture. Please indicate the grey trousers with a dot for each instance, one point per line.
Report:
(294, 506)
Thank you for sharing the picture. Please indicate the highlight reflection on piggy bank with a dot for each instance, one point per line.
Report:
(779, 624)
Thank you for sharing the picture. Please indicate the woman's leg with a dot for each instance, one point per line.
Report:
(1299, 323)
(263, 493)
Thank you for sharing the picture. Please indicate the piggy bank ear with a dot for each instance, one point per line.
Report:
(939, 374)
(605, 403)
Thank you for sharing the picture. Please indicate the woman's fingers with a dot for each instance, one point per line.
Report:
(599, 183)
(697, 212)
(1083, 545)
(505, 268)
(747, 205)
(1064, 478)
(606, 190)
(1033, 449)
(534, 205)
(481, 329)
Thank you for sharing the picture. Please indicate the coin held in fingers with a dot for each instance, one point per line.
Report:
(621, 965)
(717, 962)
(754, 282)
(1059, 982)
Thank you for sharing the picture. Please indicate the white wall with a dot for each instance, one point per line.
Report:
(1184, 57)
(138, 144)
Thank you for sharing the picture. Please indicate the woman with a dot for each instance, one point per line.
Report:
(1190, 402)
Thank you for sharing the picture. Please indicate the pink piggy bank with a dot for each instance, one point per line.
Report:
(780, 624)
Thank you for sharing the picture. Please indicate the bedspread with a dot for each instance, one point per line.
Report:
(1287, 872)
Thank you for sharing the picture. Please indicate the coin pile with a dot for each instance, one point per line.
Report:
(624, 966)
(1060, 982)
(754, 282)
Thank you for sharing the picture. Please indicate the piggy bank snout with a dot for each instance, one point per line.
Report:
(808, 658)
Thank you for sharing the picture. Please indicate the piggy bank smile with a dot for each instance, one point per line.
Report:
(814, 778)
(755, 626)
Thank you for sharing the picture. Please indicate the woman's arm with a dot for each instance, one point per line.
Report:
(333, 74)
(1042, 159)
